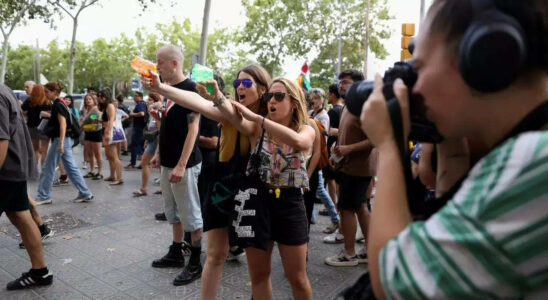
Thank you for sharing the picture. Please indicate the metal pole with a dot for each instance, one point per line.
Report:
(203, 41)
(367, 4)
(38, 68)
(422, 10)
(34, 66)
(339, 41)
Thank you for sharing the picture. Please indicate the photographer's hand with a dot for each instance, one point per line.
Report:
(391, 212)
(375, 118)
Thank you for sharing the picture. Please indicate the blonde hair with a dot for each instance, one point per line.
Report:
(93, 98)
(300, 115)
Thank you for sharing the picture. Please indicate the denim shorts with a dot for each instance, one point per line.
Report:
(182, 199)
(151, 147)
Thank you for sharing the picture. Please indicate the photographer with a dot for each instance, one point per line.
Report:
(489, 240)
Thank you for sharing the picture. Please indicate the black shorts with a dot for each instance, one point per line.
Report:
(217, 215)
(288, 222)
(328, 173)
(93, 136)
(352, 191)
(14, 196)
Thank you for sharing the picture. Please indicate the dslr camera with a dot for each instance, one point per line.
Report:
(422, 130)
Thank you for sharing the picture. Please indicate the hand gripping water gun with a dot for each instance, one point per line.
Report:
(143, 66)
(203, 74)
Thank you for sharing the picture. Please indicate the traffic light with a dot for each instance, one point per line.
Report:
(407, 31)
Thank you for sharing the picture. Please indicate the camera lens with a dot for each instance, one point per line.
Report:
(356, 95)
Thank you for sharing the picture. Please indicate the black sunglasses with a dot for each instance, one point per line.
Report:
(246, 82)
(277, 96)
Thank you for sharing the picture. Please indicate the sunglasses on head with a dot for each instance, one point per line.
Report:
(246, 82)
(277, 96)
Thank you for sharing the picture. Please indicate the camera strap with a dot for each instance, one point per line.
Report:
(535, 120)
(394, 112)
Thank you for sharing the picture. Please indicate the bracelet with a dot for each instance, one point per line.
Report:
(262, 124)
(219, 102)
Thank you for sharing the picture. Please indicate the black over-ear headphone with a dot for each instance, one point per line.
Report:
(493, 49)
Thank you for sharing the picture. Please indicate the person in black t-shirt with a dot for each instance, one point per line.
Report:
(334, 113)
(209, 138)
(180, 161)
(61, 149)
(32, 107)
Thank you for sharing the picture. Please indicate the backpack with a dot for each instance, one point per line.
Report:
(324, 157)
(73, 128)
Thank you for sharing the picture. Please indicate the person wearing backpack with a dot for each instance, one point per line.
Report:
(63, 129)
(319, 114)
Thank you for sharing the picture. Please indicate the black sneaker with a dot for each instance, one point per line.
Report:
(234, 253)
(45, 235)
(160, 217)
(173, 259)
(26, 280)
(189, 274)
(323, 212)
(89, 175)
(97, 177)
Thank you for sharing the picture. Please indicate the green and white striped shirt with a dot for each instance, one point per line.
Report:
(489, 242)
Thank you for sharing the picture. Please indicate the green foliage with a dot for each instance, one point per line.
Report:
(277, 30)
(104, 62)
(20, 67)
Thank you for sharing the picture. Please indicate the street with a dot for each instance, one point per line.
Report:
(103, 250)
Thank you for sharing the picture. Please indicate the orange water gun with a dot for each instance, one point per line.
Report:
(143, 66)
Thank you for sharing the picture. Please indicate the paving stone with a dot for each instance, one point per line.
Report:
(126, 226)
(59, 290)
(119, 280)
(94, 288)
(144, 292)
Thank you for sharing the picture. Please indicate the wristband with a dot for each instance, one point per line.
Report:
(262, 124)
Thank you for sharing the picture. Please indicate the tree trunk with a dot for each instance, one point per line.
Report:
(367, 3)
(72, 54)
(5, 46)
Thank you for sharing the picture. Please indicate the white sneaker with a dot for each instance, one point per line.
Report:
(41, 202)
(342, 260)
(334, 238)
(81, 199)
(362, 258)
(359, 237)
(234, 253)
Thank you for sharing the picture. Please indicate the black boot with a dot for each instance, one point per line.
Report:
(189, 274)
(193, 270)
(173, 259)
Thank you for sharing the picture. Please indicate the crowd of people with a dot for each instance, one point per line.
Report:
(247, 169)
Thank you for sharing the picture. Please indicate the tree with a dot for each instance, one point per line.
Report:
(276, 30)
(12, 14)
(73, 9)
(20, 66)
(322, 68)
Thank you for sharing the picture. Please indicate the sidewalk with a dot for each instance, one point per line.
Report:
(103, 250)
